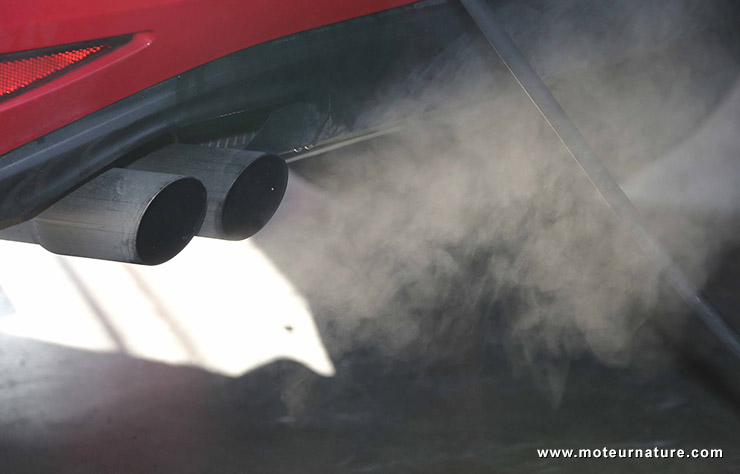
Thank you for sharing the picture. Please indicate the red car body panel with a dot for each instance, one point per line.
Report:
(170, 37)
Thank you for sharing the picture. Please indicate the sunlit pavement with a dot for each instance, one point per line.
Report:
(220, 306)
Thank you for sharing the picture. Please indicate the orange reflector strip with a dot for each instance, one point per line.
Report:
(19, 74)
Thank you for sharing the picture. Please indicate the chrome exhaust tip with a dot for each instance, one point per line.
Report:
(122, 215)
(245, 187)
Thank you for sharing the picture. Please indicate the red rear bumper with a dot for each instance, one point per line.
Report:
(170, 37)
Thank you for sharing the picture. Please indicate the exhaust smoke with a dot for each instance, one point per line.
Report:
(478, 230)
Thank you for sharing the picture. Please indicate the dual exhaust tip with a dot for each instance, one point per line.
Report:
(148, 212)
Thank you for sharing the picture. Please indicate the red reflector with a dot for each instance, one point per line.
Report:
(23, 71)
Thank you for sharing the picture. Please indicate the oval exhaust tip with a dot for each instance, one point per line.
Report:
(170, 221)
(254, 197)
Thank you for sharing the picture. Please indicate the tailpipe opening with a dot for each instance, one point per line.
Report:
(122, 215)
(245, 187)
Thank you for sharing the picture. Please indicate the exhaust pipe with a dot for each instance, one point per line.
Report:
(123, 215)
(244, 187)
